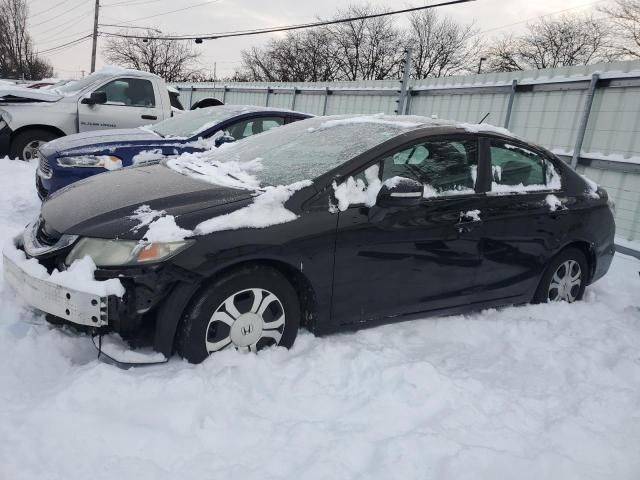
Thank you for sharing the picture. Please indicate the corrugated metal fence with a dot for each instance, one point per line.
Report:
(595, 108)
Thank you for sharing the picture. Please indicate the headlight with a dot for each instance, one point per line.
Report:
(110, 162)
(114, 253)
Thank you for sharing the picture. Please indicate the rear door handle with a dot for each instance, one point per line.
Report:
(149, 117)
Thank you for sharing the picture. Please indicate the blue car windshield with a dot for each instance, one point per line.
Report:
(196, 122)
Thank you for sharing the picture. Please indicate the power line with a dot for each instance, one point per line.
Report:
(172, 11)
(541, 16)
(59, 15)
(66, 45)
(242, 33)
(64, 24)
(131, 4)
(57, 38)
(49, 9)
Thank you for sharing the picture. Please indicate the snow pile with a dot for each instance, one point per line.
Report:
(379, 118)
(110, 163)
(553, 202)
(592, 187)
(357, 191)
(78, 276)
(227, 174)
(485, 128)
(530, 392)
(266, 210)
(147, 156)
(473, 215)
(160, 226)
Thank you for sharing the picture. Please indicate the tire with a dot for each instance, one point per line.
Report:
(21, 143)
(556, 286)
(235, 301)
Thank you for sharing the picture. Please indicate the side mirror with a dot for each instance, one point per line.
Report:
(95, 98)
(226, 138)
(400, 192)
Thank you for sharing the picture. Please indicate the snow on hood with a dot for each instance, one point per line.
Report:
(7, 93)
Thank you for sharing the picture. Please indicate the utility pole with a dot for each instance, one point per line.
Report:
(404, 83)
(95, 37)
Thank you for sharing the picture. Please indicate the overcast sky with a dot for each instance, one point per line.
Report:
(55, 22)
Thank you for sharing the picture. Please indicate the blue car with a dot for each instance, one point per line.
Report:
(72, 158)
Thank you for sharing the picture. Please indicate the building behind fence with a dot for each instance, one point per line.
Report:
(589, 115)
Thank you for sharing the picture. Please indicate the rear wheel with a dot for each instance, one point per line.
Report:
(565, 279)
(248, 310)
(25, 145)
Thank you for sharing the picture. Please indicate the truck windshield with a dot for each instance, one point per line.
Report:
(78, 86)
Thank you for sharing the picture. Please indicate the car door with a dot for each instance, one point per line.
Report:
(131, 102)
(523, 220)
(394, 261)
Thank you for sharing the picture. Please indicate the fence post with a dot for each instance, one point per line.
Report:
(407, 102)
(404, 83)
(266, 100)
(293, 100)
(327, 92)
(586, 112)
(224, 94)
(512, 97)
(191, 96)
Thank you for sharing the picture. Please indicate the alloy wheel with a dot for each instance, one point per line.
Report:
(566, 282)
(30, 151)
(247, 320)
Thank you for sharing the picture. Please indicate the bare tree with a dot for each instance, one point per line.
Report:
(552, 43)
(298, 57)
(368, 49)
(441, 46)
(624, 16)
(17, 58)
(172, 60)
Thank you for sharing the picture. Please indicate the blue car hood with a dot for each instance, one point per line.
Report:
(100, 139)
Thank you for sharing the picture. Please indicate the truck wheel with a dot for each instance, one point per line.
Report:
(25, 145)
(248, 309)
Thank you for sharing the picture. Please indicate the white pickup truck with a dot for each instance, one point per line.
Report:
(110, 98)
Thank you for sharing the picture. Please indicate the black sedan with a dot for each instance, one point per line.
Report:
(329, 223)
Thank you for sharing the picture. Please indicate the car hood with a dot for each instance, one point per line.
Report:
(100, 206)
(17, 94)
(99, 140)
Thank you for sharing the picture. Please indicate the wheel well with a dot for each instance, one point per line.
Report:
(48, 128)
(589, 253)
(299, 281)
(207, 102)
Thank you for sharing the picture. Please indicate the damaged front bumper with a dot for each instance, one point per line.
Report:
(74, 306)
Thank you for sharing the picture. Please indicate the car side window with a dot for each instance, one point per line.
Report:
(131, 92)
(516, 168)
(444, 166)
(253, 126)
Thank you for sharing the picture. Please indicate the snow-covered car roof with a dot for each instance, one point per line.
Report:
(195, 122)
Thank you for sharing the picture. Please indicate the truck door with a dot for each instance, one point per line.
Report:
(130, 102)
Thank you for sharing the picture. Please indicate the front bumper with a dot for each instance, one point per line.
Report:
(74, 306)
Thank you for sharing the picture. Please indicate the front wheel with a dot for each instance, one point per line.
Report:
(249, 309)
(26, 144)
(565, 279)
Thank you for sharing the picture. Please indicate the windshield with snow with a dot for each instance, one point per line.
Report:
(76, 86)
(195, 122)
(303, 150)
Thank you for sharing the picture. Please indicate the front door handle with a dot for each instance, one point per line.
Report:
(149, 117)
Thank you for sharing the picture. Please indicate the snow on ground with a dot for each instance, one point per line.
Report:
(548, 391)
